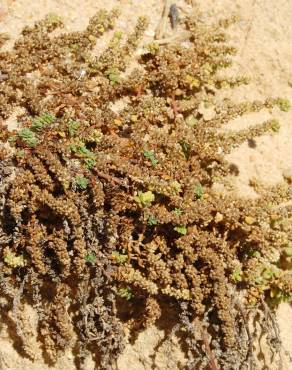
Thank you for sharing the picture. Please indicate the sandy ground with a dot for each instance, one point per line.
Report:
(263, 37)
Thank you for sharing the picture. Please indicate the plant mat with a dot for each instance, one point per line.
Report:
(109, 218)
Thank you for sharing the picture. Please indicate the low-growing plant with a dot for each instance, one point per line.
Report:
(28, 137)
(150, 155)
(119, 257)
(81, 182)
(199, 191)
(152, 221)
(125, 293)
(73, 127)
(144, 199)
(284, 104)
(85, 221)
(181, 229)
(113, 75)
(177, 211)
(42, 121)
(90, 258)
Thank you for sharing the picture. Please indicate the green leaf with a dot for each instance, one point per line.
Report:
(95, 136)
(81, 151)
(81, 182)
(283, 104)
(90, 258)
(125, 293)
(40, 122)
(87, 156)
(150, 155)
(177, 211)
(199, 191)
(275, 125)
(118, 35)
(28, 137)
(73, 148)
(13, 260)
(73, 127)
(113, 75)
(186, 148)
(53, 19)
(268, 273)
(90, 163)
(12, 138)
(145, 199)
(176, 186)
(152, 221)
(236, 275)
(181, 229)
(119, 257)
(20, 153)
(84, 151)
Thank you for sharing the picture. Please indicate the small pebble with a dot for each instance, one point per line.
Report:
(174, 16)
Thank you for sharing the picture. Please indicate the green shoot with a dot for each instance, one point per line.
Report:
(145, 199)
(73, 127)
(151, 157)
(186, 148)
(199, 191)
(152, 221)
(28, 137)
(125, 293)
(113, 75)
(90, 258)
(81, 182)
(177, 211)
(119, 257)
(40, 122)
(283, 104)
(181, 229)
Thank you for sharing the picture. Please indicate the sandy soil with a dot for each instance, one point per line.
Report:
(263, 37)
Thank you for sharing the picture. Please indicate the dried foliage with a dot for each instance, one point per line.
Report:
(103, 210)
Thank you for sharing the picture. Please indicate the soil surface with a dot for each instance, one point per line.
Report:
(263, 37)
